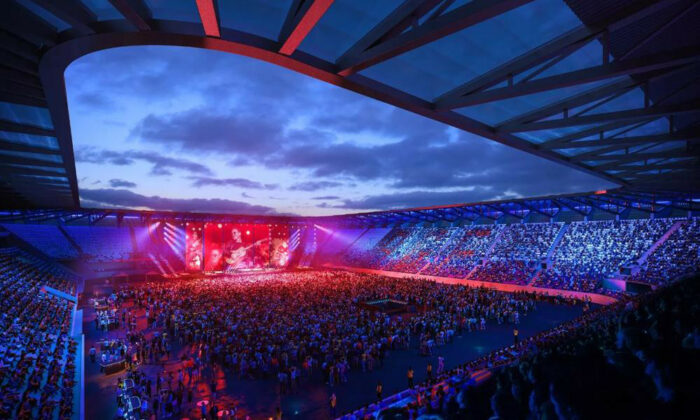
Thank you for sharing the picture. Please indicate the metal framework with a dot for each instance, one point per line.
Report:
(618, 203)
(646, 45)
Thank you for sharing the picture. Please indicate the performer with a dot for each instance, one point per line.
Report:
(194, 252)
(235, 251)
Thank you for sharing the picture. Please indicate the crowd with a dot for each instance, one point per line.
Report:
(678, 256)
(37, 353)
(636, 358)
(289, 325)
(526, 241)
(587, 253)
(505, 271)
(591, 251)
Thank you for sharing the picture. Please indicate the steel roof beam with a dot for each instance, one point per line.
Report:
(18, 63)
(638, 157)
(562, 45)
(572, 102)
(456, 20)
(19, 147)
(72, 12)
(655, 33)
(563, 202)
(393, 24)
(301, 19)
(135, 12)
(626, 115)
(623, 142)
(26, 25)
(634, 169)
(25, 128)
(19, 98)
(6, 159)
(20, 77)
(577, 77)
(209, 18)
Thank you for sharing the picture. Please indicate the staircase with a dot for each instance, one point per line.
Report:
(68, 237)
(660, 242)
(534, 277)
(495, 241)
(556, 241)
(448, 242)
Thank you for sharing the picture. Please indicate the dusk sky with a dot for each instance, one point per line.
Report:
(174, 128)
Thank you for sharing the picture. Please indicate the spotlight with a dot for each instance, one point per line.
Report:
(247, 232)
(219, 225)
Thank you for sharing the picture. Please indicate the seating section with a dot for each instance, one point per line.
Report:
(37, 355)
(417, 250)
(679, 255)
(517, 254)
(591, 251)
(466, 248)
(526, 241)
(46, 238)
(505, 271)
(103, 243)
(579, 257)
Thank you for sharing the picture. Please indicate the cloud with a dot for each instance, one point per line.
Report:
(422, 198)
(200, 181)
(118, 183)
(267, 118)
(447, 162)
(314, 185)
(127, 199)
(162, 165)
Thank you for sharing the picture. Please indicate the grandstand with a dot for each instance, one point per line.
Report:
(131, 306)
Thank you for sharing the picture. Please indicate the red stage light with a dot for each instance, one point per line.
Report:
(219, 225)
(247, 232)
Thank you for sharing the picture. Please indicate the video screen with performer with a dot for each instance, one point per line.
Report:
(231, 246)
(279, 247)
(193, 247)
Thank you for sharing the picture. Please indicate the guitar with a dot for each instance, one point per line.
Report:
(237, 255)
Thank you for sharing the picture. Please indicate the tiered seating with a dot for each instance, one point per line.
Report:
(526, 241)
(679, 255)
(416, 251)
(505, 271)
(590, 251)
(466, 248)
(37, 356)
(103, 243)
(46, 238)
(376, 256)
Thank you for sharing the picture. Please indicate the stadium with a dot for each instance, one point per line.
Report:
(349, 209)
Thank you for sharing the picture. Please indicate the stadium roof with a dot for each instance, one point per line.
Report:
(619, 203)
(609, 87)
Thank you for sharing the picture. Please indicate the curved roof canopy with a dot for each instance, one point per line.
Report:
(609, 87)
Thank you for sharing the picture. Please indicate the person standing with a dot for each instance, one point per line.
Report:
(379, 391)
(429, 371)
(333, 403)
(409, 376)
(515, 336)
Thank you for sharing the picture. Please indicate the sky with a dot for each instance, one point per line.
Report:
(185, 129)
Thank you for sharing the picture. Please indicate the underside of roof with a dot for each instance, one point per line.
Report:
(609, 87)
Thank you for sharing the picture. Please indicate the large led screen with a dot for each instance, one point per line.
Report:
(193, 247)
(230, 247)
